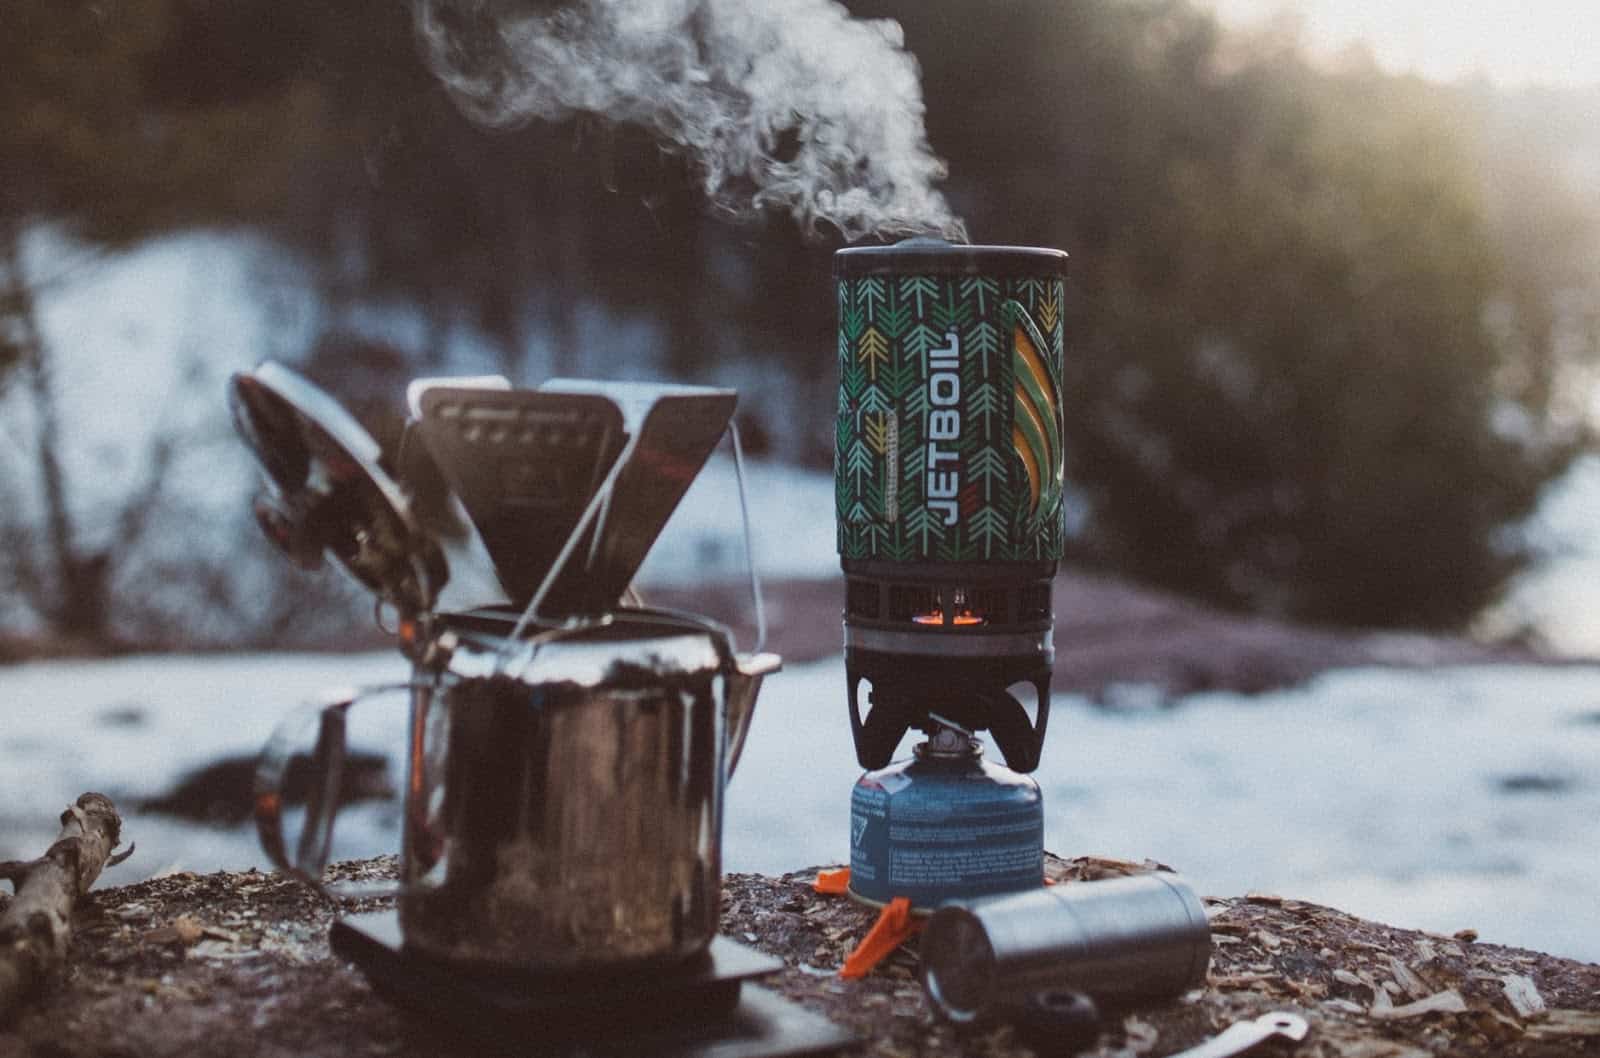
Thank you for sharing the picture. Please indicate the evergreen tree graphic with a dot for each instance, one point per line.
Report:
(983, 341)
(919, 289)
(982, 290)
(870, 293)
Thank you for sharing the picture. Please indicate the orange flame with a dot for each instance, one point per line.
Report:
(965, 617)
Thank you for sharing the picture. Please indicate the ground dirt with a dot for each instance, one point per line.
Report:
(239, 964)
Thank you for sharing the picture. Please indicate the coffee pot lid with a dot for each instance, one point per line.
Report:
(624, 648)
(328, 491)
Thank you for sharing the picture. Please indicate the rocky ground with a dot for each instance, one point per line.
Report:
(239, 964)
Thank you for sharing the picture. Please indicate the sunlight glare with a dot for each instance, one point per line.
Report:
(1513, 42)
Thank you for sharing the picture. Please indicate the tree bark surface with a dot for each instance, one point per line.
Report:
(36, 926)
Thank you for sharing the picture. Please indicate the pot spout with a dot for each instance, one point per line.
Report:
(744, 684)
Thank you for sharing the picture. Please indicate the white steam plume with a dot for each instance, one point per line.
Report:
(784, 104)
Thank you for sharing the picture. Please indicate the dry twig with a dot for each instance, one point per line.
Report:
(36, 926)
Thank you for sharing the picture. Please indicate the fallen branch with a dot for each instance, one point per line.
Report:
(36, 926)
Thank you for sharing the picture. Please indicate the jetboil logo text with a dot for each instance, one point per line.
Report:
(944, 429)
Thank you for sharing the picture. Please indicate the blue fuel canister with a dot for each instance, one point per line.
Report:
(944, 825)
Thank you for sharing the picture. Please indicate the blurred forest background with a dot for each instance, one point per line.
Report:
(1331, 331)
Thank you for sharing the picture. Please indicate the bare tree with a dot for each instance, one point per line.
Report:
(65, 584)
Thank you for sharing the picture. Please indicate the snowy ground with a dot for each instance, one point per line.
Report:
(1559, 598)
(1441, 800)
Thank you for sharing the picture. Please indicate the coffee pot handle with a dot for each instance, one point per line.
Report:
(326, 775)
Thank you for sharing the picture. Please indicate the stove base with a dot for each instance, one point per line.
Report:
(699, 1010)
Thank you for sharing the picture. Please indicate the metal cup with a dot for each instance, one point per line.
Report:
(1120, 940)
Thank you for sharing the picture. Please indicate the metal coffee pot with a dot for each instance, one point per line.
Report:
(563, 798)
(565, 774)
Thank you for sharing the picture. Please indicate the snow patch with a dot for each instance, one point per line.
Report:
(1378, 791)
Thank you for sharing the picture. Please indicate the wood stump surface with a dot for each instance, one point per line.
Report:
(239, 964)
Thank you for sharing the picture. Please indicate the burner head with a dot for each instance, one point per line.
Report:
(949, 475)
(965, 642)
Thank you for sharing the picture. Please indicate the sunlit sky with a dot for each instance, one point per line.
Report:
(1514, 42)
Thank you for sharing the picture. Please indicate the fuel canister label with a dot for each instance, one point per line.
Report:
(869, 834)
(939, 848)
(949, 436)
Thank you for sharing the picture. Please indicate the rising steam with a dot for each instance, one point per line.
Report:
(783, 104)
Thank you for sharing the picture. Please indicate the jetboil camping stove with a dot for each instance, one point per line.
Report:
(948, 478)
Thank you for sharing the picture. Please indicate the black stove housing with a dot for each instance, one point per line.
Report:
(948, 640)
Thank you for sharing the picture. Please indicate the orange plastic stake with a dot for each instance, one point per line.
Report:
(832, 883)
(894, 927)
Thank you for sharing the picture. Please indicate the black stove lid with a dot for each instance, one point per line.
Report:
(926, 256)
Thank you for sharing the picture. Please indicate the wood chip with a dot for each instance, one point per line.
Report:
(1272, 899)
(1566, 1023)
(1313, 990)
(1345, 1005)
(1369, 1048)
(216, 949)
(1465, 936)
(183, 931)
(1410, 983)
(1269, 941)
(1425, 951)
(1447, 1002)
(1345, 977)
(1523, 995)
(1142, 1035)
(1242, 980)
(1495, 1025)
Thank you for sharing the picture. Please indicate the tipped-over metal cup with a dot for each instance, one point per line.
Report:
(1123, 939)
